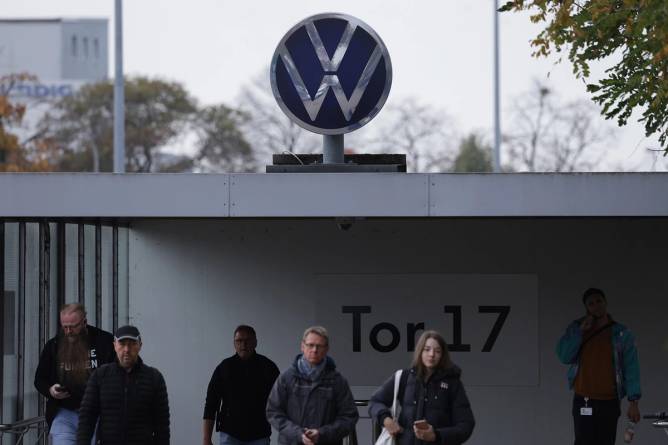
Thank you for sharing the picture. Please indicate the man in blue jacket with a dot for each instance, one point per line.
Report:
(603, 370)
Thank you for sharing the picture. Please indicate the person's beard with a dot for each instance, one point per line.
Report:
(73, 355)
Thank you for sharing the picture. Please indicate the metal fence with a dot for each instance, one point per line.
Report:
(44, 264)
(18, 431)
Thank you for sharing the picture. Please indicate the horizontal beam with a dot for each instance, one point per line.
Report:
(56, 195)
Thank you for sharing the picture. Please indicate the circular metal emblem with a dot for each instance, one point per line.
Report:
(331, 73)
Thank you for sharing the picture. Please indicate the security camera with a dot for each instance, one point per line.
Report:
(344, 224)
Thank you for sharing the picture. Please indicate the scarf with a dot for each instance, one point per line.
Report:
(307, 370)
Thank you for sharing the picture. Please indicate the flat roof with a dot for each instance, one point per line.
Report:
(269, 195)
(39, 20)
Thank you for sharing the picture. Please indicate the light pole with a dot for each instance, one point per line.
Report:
(497, 116)
(119, 93)
(497, 99)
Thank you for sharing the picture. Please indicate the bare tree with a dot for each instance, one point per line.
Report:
(548, 135)
(420, 131)
(267, 128)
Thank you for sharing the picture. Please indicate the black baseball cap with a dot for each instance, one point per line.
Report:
(127, 332)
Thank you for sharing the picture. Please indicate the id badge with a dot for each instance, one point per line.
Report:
(586, 411)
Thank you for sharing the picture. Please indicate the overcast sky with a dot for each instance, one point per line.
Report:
(441, 51)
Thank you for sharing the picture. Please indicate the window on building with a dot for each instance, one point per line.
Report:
(85, 47)
(74, 46)
(96, 48)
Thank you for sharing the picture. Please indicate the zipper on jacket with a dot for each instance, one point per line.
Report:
(125, 406)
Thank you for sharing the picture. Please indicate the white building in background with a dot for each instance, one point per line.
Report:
(62, 53)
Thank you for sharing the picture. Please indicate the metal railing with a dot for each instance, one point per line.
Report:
(351, 439)
(22, 427)
(660, 420)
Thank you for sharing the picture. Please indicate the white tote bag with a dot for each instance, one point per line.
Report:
(386, 438)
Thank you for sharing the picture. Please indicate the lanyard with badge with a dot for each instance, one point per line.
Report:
(586, 410)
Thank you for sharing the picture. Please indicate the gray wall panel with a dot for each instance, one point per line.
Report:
(546, 194)
(192, 282)
(328, 194)
(113, 195)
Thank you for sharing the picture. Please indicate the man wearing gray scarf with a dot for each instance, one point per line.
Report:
(311, 402)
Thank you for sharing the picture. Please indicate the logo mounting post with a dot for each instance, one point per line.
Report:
(331, 74)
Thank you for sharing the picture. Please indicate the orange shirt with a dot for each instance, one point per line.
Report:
(596, 372)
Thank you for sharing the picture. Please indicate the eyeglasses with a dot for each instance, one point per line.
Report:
(315, 346)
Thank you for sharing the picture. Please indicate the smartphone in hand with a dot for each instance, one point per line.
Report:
(421, 424)
(60, 388)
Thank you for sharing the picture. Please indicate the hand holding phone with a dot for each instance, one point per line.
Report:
(424, 431)
(59, 391)
(587, 322)
(421, 424)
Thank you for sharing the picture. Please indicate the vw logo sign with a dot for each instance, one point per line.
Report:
(331, 73)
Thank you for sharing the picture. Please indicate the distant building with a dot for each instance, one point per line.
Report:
(63, 55)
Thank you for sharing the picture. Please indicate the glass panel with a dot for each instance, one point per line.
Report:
(123, 272)
(11, 309)
(32, 345)
(107, 283)
(71, 263)
(53, 309)
(89, 273)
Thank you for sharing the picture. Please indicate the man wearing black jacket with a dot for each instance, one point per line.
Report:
(242, 383)
(127, 399)
(65, 365)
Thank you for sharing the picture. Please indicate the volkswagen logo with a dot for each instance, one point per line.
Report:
(331, 73)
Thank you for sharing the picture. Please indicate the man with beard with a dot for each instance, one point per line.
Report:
(603, 370)
(65, 364)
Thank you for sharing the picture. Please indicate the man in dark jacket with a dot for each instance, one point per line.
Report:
(65, 365)
(311, 403)
(127, 399)
(242, 383)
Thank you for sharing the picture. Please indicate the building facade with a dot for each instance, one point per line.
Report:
(497, 263)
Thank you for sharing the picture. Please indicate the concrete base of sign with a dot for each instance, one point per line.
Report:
(352, 163)
(336, 168)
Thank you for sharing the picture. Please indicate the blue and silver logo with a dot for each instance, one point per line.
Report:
(331, 73)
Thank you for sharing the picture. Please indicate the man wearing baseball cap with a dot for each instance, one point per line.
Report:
(127, 398)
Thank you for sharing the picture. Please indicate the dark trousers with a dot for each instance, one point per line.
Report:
(601, 427)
